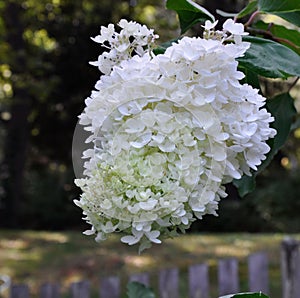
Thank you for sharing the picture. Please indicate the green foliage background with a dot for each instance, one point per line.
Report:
(45, 77)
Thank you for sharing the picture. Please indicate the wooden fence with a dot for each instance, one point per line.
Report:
(198, 279)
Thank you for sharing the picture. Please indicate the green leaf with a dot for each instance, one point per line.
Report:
(162, 47)
(138, 290)
(251, 78)
(283, 110)
(292, 17)
(250, 8)
(286, 9)
(270, 59)
(245, 185)
(189, 13)
(282, 32)
(246, 295)
(278, 5)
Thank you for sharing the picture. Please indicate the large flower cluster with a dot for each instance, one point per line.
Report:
(169, 131)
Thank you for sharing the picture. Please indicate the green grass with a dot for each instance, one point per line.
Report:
(35, 257)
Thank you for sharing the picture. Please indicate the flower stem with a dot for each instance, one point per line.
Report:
(251, 19)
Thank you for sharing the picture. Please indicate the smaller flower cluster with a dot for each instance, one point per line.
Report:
(133, 39)
(230, 30)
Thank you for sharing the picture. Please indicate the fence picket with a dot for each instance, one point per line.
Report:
(80, 289)
(168, 283)
(198, 281)
(142, 278)
(258, 275)
(290, 268)
(110, 287)
(49, 291)
(19, 291)
(228, 276)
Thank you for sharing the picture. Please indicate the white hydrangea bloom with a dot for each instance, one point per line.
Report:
(169, 131)
(236, 30)
(208, 25)
(230, 30)
(133, 38)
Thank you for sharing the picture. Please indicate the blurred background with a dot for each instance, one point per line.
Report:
(45, 48)
(45, 76)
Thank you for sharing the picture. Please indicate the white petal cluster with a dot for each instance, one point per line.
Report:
(231, 30)
(133, 39)
(169, 131)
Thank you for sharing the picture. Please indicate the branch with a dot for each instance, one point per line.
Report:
(270, 35)
(293, 84)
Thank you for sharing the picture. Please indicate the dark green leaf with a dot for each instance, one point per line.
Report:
(270, 59)
(250, 8)
(292, 17)
(250, 295)
(286, 9)
(282, 32)
(251, 78)
(278, 5)
(159, 50)
(188, 19)
(283, 109)
(138, 290)
(189, 13)
(162, 47)
(245, 185)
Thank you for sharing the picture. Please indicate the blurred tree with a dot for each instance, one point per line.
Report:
(16, 145)
(47, 48)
